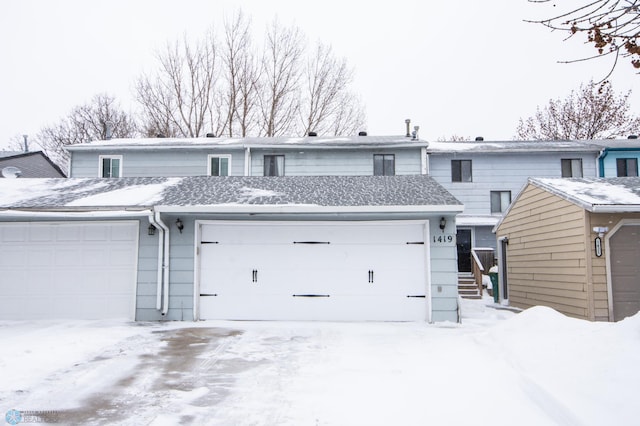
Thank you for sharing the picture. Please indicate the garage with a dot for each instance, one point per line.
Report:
(342, 271)
(71, 270)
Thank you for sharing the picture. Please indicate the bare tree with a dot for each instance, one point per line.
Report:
(227, 88)
(180, 99)
(100, 119)
(241, 73)
(595, 111)
(611, 26)
(327, 106)
(280, 80)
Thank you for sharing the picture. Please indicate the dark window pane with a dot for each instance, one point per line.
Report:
(274, 165)
(215, 166)
(566, 168)
(378, 165)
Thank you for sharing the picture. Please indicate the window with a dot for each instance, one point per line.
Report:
(219, 165)
(384, 164)
(500, 200)
(110, 166)
(274, 165)
(571, 167)
(461, 171)
(627, 167)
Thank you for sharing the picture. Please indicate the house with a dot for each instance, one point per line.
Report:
(33, 164)
(487, 175)
(249, 229)
(573, 245)
(280, 156)
(619, 157)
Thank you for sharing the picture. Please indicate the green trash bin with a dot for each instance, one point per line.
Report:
(493, 275)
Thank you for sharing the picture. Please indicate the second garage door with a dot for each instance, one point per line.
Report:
(79, 270)
(313, 271)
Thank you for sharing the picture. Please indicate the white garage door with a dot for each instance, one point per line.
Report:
(313, 271)
(80, 270)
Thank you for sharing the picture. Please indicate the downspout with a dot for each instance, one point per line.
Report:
(424, 160)
(247, 161)
(165, 263)
(160, 229)
(601, 158)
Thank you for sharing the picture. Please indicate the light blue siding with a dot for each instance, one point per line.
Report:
(609, 162)
(341, 162)
(151, 163)
(500, 172)
(190, 162)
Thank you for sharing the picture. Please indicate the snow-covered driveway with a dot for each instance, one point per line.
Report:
(496, 368)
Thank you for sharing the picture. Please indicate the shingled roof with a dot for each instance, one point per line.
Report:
(199, 192)
(33, 164)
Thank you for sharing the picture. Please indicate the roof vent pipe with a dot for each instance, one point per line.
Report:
(408, 123)
(26, 144)
(362, 133)
(211, 135)
(313, 134)
(632, 137)
(479, 138)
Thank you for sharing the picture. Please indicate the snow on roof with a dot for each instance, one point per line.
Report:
(256, 142)
(596, 194)
(188, 193)
(514, 146)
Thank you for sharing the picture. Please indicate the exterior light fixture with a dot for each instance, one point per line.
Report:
(443, 223)
(179, 225)
(151, 230)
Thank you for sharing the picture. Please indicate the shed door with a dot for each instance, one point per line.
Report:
(313, 271)
(625, 271)
(78, 270)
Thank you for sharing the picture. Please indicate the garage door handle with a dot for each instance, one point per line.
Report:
(371, 276)
(254, 276)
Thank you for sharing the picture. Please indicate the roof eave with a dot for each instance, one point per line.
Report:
(307, 208)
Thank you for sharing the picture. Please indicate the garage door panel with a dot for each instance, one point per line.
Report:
(366, 270)
(625, 271)
(69, 270)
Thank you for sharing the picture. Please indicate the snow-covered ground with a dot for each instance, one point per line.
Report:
(537, 367)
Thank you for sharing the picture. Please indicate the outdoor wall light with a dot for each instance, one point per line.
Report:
(151, 230)
(179, 225)
(600, 230)
(443, 223)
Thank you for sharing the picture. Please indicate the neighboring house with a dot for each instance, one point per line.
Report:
(28, 165)
(487, 175)
(619, 158)
(329, 240)
(573, 245)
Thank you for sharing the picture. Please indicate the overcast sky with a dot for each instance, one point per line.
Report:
(468, 68)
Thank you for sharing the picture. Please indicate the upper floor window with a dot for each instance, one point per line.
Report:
(500, 200)
(274, 165)
(571, 167)
(627, 167)
(461, 171)
(110, 166)
(219, 165)
(384, 164)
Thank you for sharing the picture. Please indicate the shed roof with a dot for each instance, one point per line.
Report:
(34, 164)
(606, 195)
(235, 193)
(318, 142)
